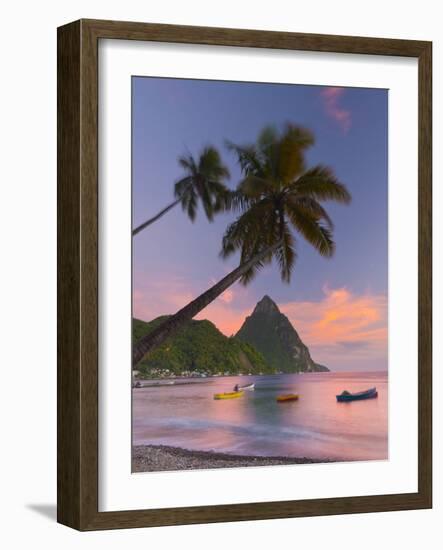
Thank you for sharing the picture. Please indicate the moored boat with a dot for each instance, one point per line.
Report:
(228, 395)
(247, 387)
(346, 396)
(287, 397)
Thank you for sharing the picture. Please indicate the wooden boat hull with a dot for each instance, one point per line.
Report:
(287, 397)
(368, 394)
(228, 395)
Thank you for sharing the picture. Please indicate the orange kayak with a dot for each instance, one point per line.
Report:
(287, 397)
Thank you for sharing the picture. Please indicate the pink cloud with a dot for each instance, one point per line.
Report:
(160, 297)
(331, 101)
(226, 319)
(343, 328)
(170, 293)
(227, 296)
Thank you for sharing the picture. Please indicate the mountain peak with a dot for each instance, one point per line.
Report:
(272, 334)
(266, 305)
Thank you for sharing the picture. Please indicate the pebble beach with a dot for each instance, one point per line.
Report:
(154, 458)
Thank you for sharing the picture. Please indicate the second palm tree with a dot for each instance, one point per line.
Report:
(204, 182)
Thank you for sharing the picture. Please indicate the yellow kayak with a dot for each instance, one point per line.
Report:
(287, 397)
(228, 395)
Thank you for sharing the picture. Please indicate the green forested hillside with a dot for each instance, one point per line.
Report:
(199, 348)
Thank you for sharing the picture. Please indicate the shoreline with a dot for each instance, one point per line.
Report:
(155, 458)
(188, 380)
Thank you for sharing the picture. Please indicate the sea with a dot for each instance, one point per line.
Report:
(186, 415)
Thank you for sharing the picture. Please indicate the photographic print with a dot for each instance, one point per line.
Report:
(259, 274)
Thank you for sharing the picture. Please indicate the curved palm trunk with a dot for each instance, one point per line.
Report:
(155, 218)
(173, 323)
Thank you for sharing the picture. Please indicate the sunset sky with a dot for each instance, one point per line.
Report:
(338, 305)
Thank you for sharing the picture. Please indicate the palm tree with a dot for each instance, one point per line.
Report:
(203, 181)
(276, 196)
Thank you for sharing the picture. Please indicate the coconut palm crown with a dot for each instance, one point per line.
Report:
(202, 182)
(277, 195)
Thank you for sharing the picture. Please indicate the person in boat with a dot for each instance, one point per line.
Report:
(236, 387)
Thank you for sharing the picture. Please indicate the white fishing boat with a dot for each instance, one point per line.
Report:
(247, 387)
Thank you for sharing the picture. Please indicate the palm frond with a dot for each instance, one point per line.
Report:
(221, 196)
(320, 183)
(286, 254)
(204, 183)
(254, 228)
(206, 199)
(210, 164)
(237, 201)
(293, 143)
(247, 158)
(317, 234)
(253, 187)
(268, 146)
(268, 137)
(188, 164)
(310, 206)
(253, 271)
(303, 137)
(189, 203)
(182, 187)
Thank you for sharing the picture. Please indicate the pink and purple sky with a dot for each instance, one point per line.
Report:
(338, 305)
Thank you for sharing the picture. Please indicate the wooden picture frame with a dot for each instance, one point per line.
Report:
(78, 274)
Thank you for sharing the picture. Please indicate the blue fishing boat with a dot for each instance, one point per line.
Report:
(366, 394)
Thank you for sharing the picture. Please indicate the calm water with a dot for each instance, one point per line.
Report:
(316, 426)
